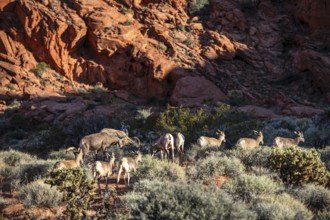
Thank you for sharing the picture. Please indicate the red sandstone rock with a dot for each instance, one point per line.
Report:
(193, 91)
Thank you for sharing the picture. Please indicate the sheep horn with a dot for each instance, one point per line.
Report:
(70, 149)
(137, 141)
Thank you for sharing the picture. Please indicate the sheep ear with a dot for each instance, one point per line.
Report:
(296, 132)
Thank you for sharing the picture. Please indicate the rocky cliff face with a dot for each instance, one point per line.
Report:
(271, 53)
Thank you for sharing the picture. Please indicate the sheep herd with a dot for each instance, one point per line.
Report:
(165, 144)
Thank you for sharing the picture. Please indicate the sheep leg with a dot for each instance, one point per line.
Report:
(162, 154)
(106, 184)
(119, 173)
(128, 178)
(172, 154)
(98, 184)
(125, 177)
(166, 155)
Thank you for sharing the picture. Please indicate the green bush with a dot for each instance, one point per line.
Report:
(215, 165)
(283, 206)
(154, 169)
(298, 166)
(40, 69)
(190, 123)
(78, 188)
(167, 200)
(199, 7)
(248, 187)
(39, 194)
(317, 198)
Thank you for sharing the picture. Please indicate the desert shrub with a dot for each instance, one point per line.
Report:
(215, 165)
(255, 157)
(3, 203)
(155, 169)
(199, 7)
(196, 152)
(78, 188)
(281, 206)
(11, 165)
(39, 194)
(36, 170)
(167, 200)
(15, 158)
(143, 114)
(317, 198)
(322, 215)
(248, 187)
(60, 155)
(40, 69)
(299, 166)
(325, 156)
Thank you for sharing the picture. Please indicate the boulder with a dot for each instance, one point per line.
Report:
(195, 91)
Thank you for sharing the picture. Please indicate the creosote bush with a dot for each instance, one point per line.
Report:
(325, 156)
(168, 200)
(215, 165)
(39, 194)
(248, 187)
(282, 206)
(299, 166)
(188, 122)
(78, 189)
(155, 169)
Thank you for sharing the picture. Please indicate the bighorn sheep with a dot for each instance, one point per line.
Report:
(281, 142)
(122, 135)
(179, 144)
(204, 141)
(98, 141)
(68, 164)
(128, 164)
(103, 169)
(164, 144)
(250, 143)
